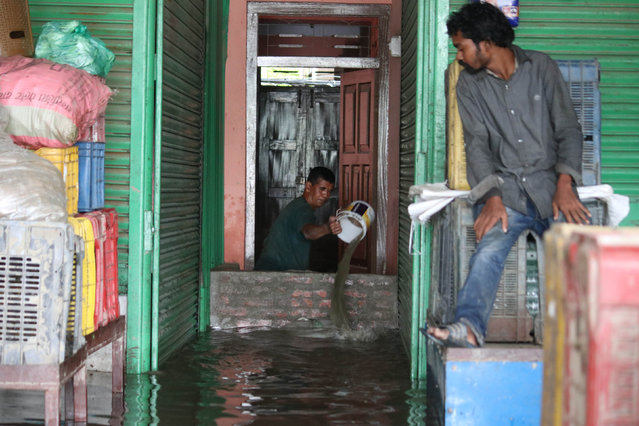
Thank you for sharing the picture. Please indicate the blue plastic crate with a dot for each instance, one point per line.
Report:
(498, 384)
(582, 77)
(91, 176)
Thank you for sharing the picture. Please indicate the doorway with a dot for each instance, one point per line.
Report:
(371, 20)
(298, 130)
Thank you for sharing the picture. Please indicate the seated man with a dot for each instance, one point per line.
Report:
(288, 243)
(523, 147)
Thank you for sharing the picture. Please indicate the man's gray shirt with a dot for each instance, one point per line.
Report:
(519, 134)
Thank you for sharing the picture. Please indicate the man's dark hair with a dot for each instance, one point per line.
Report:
(321, 173)
(481, 22)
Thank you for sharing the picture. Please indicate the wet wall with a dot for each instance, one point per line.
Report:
(274, 299)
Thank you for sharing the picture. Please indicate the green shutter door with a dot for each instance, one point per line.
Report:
(113, 24)
(178, 175)
(609, 32)
(407, 166)
(422, 159)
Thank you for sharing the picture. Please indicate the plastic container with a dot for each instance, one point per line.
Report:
(91, 176)
(600, 340)
(36, 268)
(84, 229)
(75, 339)
(66, 160)
(111, 281)
(556, 242)
(355, 220)
(98, 222)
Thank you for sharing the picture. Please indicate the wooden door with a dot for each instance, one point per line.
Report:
(298, 130)
(358, 134)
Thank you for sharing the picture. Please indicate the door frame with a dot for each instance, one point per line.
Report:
(253, 62)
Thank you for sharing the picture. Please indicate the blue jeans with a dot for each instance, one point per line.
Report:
(476, 298)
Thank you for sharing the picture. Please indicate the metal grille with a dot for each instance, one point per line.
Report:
(454, 244)
(511, 285)
(19, 286)
(583, 82)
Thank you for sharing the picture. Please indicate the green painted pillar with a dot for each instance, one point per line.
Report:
(430, 154)
(140, 189)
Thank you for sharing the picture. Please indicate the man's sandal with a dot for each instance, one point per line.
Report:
(457, 336)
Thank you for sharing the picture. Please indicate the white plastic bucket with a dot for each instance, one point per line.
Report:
(355, 220)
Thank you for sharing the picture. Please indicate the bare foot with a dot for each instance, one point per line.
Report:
(443, 333)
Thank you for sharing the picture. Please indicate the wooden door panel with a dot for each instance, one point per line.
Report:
(280, 156)
(349, 121)
(324, 146)
(357, 155)
(365, 106)
(324, 150)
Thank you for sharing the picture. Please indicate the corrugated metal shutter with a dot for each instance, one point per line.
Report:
(183, 57)
(609, 32)
(407, 164)
(422, 159)
(113, 24)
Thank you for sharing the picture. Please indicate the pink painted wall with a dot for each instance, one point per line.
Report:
(235, 124)
(235, 136)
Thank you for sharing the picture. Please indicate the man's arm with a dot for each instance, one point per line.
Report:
(481, 170)
(314, 232)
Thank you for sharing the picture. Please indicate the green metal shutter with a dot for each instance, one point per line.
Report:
(113, 24)
(609, 32)
(407, 165)
(422, 158)
(178, 199)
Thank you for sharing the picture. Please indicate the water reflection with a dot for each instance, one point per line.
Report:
(141, 394)
(279, 377)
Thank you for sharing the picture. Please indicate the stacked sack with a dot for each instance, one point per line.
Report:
(55, 105)
(31, 188)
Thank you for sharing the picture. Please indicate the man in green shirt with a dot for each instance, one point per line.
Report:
(288, 243)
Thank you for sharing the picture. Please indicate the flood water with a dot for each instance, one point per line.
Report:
(260, 377)
(279, 377)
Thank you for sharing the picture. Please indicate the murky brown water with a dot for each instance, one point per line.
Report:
(279, 377)
(263, 377)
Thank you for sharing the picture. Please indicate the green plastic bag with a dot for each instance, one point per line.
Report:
(69, 42)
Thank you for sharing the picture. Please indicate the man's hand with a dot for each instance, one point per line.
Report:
(493, 212)
(567, 202)
(334, 225)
